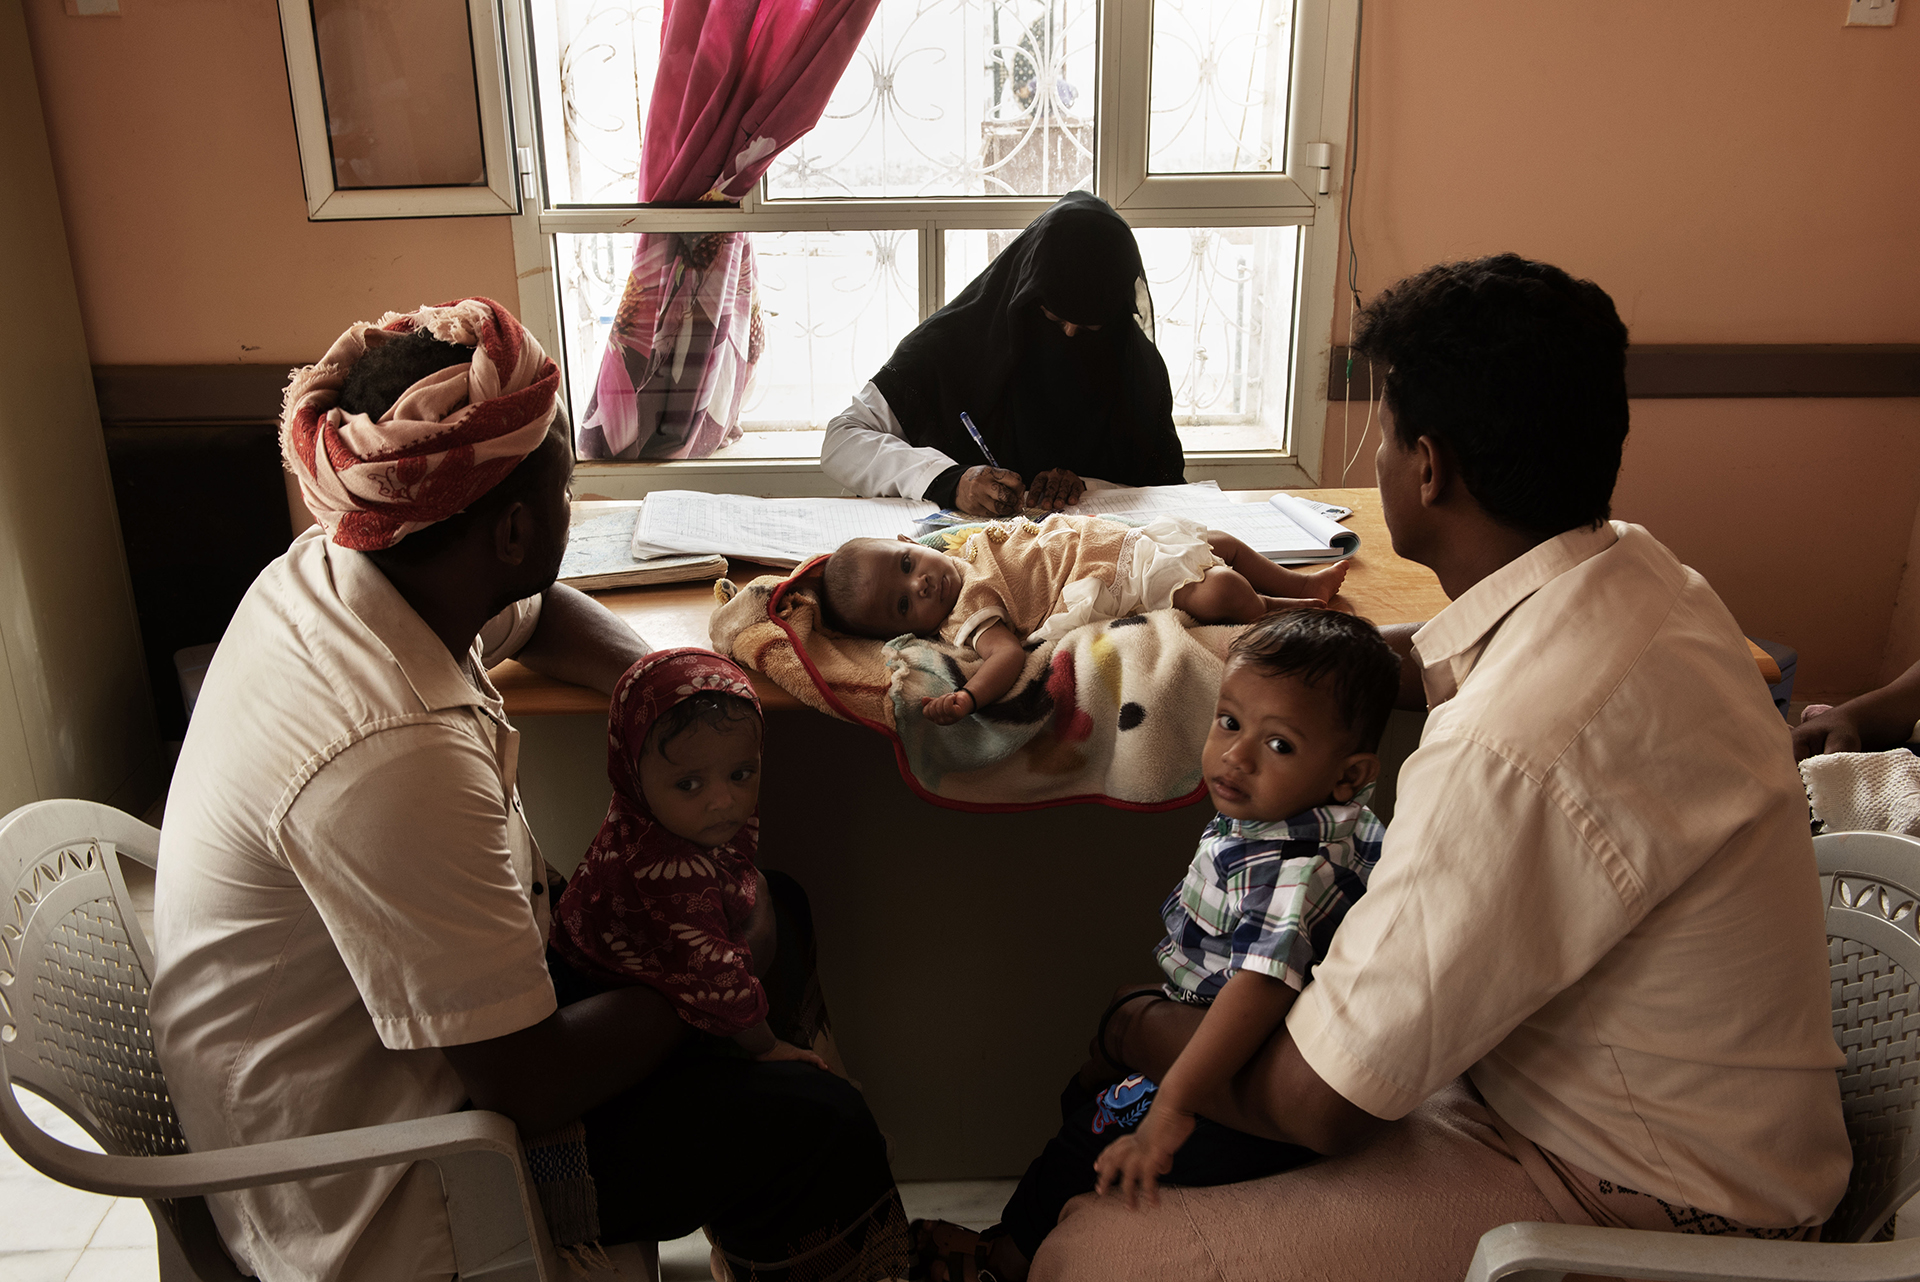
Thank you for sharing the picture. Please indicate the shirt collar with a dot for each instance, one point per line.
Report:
(421, 657)
(1322, 823)
(1450, 643)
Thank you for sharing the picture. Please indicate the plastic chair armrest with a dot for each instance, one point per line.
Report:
(274, 1162)
(1525, 1252)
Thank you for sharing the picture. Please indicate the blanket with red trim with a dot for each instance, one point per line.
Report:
(1114, 712)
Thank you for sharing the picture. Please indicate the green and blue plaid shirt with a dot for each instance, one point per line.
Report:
(1266, 896)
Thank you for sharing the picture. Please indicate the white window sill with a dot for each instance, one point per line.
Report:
(787, 465)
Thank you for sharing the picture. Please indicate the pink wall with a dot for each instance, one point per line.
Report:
(173, 146)
(1732, 171)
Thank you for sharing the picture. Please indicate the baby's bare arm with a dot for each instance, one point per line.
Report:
(1003, 658)
(1245, 1014)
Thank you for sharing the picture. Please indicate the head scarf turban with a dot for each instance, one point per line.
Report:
(1098, 404)
(646, 906)
(450, 437)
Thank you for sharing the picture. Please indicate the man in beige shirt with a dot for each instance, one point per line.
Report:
(351, 915)
(1588, 979)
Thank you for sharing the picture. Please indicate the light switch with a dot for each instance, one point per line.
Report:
(1871, 13)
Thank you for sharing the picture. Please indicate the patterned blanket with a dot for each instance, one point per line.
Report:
(1114, 712)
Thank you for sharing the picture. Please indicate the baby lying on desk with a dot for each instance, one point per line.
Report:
(1016, 583)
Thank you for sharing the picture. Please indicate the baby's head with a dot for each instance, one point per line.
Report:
(699, 767)
(876, 588)
(1302, 705)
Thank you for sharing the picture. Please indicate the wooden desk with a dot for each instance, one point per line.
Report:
(1380, 587)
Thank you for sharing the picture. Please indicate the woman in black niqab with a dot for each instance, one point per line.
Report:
(1049, 351)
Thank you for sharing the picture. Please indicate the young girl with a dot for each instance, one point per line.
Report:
(1016, 582)
(668, 895)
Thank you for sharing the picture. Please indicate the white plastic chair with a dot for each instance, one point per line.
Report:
(1870, 882)
(74, 971)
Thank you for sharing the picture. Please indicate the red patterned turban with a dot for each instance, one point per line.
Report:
(450, 437)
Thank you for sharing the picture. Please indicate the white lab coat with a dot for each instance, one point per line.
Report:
(865, 450)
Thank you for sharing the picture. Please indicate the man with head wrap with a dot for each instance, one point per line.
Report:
(351, 913)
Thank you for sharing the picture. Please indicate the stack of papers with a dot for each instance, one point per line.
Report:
(789, 531)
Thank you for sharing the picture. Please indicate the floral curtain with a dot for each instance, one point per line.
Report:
(739, 81)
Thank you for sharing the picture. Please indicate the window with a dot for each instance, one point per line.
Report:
(955, 124)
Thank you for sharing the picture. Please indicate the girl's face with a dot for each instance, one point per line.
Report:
(704, 783)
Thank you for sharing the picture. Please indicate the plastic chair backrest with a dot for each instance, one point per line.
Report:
(1870, 883)
(75, 968)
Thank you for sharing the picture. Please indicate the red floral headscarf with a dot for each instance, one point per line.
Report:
(646, 906)
(450, 437)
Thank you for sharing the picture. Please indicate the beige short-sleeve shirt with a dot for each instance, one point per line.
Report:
(1597, 896)
(346, 884)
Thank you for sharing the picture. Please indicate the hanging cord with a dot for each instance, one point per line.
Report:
(1353, 255)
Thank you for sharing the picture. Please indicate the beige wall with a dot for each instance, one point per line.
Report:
(173, 142)
(75, 719)
(1732, 171)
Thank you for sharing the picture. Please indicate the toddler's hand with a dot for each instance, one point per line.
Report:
(1137, 1161)
(944, 710)
(787, 1050)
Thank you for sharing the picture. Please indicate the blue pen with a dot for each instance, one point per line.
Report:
(966, 421)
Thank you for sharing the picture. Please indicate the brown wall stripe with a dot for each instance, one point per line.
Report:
(1681, 370)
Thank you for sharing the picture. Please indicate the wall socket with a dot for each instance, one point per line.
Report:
(1871, 13)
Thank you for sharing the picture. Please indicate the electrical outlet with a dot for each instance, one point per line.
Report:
(1871, 13)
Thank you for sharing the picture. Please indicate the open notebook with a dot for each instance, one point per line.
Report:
(788, 531)
(600, 555)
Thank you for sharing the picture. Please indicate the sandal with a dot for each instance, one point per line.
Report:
(957, 1248)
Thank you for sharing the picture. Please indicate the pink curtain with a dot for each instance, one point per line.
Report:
(739, 81)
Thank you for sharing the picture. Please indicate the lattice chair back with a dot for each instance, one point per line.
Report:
(1870, 882)
(74, 973)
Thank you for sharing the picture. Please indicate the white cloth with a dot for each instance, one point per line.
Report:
(1865, 791)
(346, 883)
(866, 450)
(1169, 553)
(1597, 896)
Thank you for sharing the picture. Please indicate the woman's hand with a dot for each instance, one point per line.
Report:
(1054, 489)
(1136, 1162)
(781, 1051)
(989, 491)
(945, 709)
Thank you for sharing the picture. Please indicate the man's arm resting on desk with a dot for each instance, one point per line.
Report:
(581, 642)
(575, 1059)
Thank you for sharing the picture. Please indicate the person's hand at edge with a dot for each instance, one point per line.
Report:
(989, 491)
(784, 1051)
(1054, 489)
(1874, 722)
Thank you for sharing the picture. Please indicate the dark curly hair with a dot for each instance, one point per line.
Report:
(1520, 370)
(1326, 645)
(383, 374)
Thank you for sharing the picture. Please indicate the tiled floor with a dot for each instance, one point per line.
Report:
(50, 1233)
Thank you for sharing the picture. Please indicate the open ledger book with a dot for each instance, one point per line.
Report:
(600, 554)
(788, 531)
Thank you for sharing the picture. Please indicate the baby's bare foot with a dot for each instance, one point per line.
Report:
(1325, 583)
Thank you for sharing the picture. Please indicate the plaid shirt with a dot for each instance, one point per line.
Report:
(1266, 897)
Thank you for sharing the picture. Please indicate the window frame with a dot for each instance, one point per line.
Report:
(1323, 41)
(487, 31)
